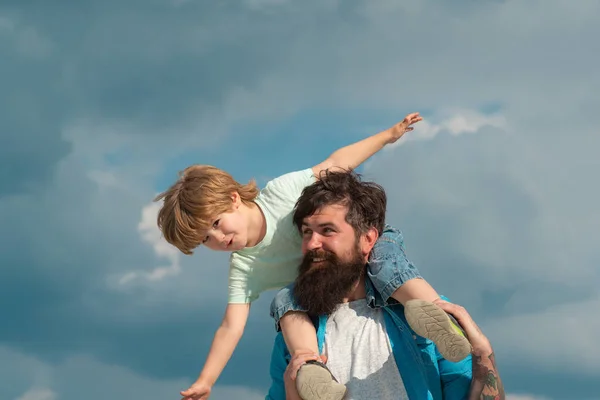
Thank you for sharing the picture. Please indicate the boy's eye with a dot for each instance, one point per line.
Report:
(205, 239)
(216, 223)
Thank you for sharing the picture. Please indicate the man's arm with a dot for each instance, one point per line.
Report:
(486, 383)
(352, 156)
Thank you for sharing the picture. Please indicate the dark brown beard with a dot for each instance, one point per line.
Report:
(319, 289)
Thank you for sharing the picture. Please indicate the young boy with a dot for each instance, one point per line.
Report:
(207, 206)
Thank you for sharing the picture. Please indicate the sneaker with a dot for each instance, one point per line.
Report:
(431, 322)
(315, 382)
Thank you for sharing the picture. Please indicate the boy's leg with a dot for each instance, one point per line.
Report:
(298, 332)
(394, 276)
(297, 328)
(416, 288)
(430, 321)
(313, 381)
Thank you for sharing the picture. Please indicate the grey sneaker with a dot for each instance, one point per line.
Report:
(315, 382)
(431, 322)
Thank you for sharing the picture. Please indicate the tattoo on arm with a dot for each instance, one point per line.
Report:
(486, 384)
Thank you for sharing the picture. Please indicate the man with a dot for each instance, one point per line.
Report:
(365, 342)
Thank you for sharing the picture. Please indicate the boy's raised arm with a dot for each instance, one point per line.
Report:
(353, 155)
(226, 339)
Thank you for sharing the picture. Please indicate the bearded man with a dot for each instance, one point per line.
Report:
(365, 341)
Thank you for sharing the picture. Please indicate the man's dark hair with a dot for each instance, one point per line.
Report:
(366, 201)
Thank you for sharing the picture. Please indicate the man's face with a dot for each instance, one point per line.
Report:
(334, 260)
(327, 231)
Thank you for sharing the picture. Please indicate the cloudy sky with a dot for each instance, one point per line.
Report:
(103, 102)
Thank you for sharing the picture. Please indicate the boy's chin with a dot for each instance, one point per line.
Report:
(236, 246)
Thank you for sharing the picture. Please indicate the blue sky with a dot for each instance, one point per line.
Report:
(103, 102)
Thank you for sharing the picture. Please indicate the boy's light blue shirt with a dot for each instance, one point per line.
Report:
(272, 263)
(426, 375)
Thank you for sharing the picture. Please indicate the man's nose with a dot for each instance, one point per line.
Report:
(314, 242)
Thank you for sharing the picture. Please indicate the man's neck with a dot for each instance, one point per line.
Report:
(358, 292)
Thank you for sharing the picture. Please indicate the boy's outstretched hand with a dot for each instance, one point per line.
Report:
(198, 391)
(398, 130)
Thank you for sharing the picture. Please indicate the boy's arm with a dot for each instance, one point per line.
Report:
(224, 343)
(352, 156)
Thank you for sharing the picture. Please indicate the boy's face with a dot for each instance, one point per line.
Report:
(229, 231)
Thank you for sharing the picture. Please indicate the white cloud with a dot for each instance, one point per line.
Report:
(28, 41)
(151, 234)
(83, 376)
(7, 24)
(455, 123)
(38, 394)
(525, 397)
(236, 392)
(560, 336)
(264, 3)
(32, 44)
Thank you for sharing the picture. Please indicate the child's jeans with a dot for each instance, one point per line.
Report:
(388, 269)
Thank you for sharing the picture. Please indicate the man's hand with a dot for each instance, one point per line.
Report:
(478, 341)
(398, 130)
(299, 359)
(486, 383)
(289, 377)
(198, 391)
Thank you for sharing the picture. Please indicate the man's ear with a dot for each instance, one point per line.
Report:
(368, 240)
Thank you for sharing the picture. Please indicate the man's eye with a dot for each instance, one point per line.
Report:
(306, 232)
(328, 230)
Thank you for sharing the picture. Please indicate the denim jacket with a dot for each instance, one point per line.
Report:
(425, 374)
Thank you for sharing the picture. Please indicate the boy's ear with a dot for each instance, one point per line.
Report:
(236, 199)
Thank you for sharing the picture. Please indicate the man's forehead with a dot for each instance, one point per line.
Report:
(335, 213)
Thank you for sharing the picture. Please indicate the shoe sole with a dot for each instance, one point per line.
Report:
(316, 383)
(431, 322)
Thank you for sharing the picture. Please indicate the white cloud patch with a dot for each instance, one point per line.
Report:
(83, 376)
(38, 394)
(6, 24)
(264, 3)
(236, 392)
(151, 234)
(455, 123)
(27, 40)
(525, 397)
(559, 336)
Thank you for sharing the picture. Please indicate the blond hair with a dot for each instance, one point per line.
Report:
(190, 205)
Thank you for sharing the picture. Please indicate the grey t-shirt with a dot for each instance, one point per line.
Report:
(360, 354)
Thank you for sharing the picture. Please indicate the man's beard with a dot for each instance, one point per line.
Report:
(320, 288)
